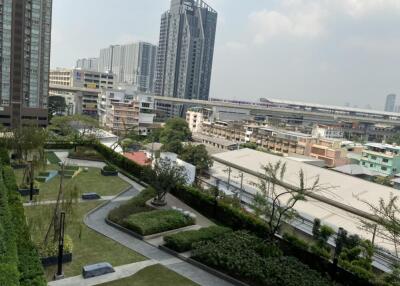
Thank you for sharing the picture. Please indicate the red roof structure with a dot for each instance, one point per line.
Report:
(139, 158)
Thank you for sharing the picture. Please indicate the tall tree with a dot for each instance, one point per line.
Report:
(75, 127)
(197, 156)
(167, 176)
(276, 199)
(387, 220)
(56, 106)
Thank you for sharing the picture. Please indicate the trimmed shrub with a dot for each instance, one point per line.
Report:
(249, 259)
(153, 222)
(183, 241)
(133, 206)
(52, 158)
(144, 174)
(4, 157)
(295, 241)
(29, 265)
(86, 153)
(109, 168)
(227, 215)
(51, 249)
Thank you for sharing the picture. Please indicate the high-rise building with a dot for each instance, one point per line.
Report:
(89, 64)
(133, 64)
(25, 36)
(81, 102)
(186, 50)
(390, 102)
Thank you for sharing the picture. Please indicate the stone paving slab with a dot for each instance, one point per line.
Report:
(120, 273)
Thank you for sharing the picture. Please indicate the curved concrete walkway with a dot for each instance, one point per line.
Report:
(95, 220)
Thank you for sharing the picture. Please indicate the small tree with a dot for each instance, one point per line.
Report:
(75, 127)
(276, 199)
(197, 156)
(167, 176)
(56, 106)
(387, 220)
(175, 129)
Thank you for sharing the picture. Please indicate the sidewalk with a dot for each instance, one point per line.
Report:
(95, 220)
(120, 273)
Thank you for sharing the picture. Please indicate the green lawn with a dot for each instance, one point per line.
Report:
(52, 157)
(156, 275)
(89, 246)
(91, 181)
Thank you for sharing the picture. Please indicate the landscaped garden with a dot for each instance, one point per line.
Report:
(89, 180)
(153, 276)
(88, 246)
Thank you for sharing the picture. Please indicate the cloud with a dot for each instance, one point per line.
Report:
(361, 8)
(311, 18)
(304, 22)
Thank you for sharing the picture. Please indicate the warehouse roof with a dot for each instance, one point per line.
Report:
(343, 189)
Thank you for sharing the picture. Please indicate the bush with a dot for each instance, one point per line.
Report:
(249, 259)
(140, 172)
(153, 222)
(4, 157)
(109, 168)
(227, 215)
(52, 158)
(51, 249)
(87, 153)
(30, 270)
(295, 241)
(183, 241)
(133, 206)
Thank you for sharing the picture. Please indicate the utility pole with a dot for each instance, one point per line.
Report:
(60, 275)
(241, 175)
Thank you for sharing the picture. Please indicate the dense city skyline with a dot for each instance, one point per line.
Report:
(273, 42)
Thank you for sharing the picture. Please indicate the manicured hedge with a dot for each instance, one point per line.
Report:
(52, 158)
(4, 157)
(183, 241)
(133, 206)
(30, 268)
(250, 259)
(142, 173)
(227, 215)
(9, 274)
(109, 168)
(158, 221)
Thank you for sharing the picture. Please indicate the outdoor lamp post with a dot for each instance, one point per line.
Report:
(60, 275)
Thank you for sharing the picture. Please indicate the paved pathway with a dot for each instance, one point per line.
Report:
(52, 202)
(120, 273)
(96, 221)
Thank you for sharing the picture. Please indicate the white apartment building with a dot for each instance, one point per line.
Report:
(124, 110)
(81, 102)
(329, 132)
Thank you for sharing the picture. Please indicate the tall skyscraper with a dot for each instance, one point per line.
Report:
(390, 102)
(25, 37)
(186, 50)
(90, 64)
(133, 64)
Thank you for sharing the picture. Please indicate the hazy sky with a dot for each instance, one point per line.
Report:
(326, 51)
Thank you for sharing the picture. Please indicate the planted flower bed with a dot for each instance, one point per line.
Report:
(251, 260)
(133, 206)
(109, 171)
(158, 221)
(184, 241)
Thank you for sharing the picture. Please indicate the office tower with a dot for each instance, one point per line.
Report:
(390, 102)
(25, 35)
(89, 64)
(133, 64)
(186, 49)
